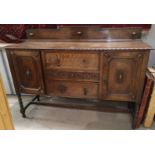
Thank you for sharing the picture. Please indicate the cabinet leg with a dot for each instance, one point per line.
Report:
(135, 116)
(22, 110)
(38, 98)
(130, 106)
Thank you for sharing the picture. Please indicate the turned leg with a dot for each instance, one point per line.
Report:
(135, 115)
(38, 98)
(130, 106)
(22, 110)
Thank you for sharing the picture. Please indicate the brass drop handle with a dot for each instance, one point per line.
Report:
(85, 91)
(31, 34)
(134, 35)
(79, 32)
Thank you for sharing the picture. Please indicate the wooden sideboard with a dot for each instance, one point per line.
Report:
(80, 62)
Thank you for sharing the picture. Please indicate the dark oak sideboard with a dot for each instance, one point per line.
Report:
(80, 62)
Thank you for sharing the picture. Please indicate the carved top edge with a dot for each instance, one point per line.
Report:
(129, 45)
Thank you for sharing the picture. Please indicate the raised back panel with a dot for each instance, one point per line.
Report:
(87, 33)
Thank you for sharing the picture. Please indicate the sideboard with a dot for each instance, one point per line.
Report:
(80, 62)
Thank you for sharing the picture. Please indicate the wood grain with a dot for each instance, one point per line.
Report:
(71, 61)
(85, 32)
(72, 89)
(28, 71)
(5, 115)
(81, 45)
(82, 63)
(151, 110)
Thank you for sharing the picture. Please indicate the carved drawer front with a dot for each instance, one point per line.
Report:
(71, 75)
(83, 61)
(28, 71)
(121, 74)
(72, 89)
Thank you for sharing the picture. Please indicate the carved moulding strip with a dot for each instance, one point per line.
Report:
(98, 49)
(73, 75)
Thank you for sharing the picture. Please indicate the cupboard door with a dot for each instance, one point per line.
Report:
(27, 67)
(121, 75)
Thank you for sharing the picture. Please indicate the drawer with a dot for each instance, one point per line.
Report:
(72, 89)
(71, 60)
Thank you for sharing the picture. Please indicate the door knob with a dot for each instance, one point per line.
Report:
(28, 73)
(120, 76)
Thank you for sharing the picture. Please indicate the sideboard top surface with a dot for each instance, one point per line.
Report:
(83, 45)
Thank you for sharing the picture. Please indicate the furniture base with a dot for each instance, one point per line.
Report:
(96, 105)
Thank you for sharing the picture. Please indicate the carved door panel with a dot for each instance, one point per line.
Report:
(121, 74)
(27, 67)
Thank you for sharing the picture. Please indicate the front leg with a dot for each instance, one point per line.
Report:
(135, 116)
(22, 109)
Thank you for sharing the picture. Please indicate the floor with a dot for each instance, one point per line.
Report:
(51, 118)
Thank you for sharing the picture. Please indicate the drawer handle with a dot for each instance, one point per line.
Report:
(133, 97)
(84, 61)
(31, 34)
(79, 33)
(62, 88)
(85, 92)
(134, 35)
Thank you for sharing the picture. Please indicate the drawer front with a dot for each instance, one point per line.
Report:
(71, 75)
(71, 61)
(72, 89)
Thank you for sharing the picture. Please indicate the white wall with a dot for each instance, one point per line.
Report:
(5, 72)
(150, 39)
